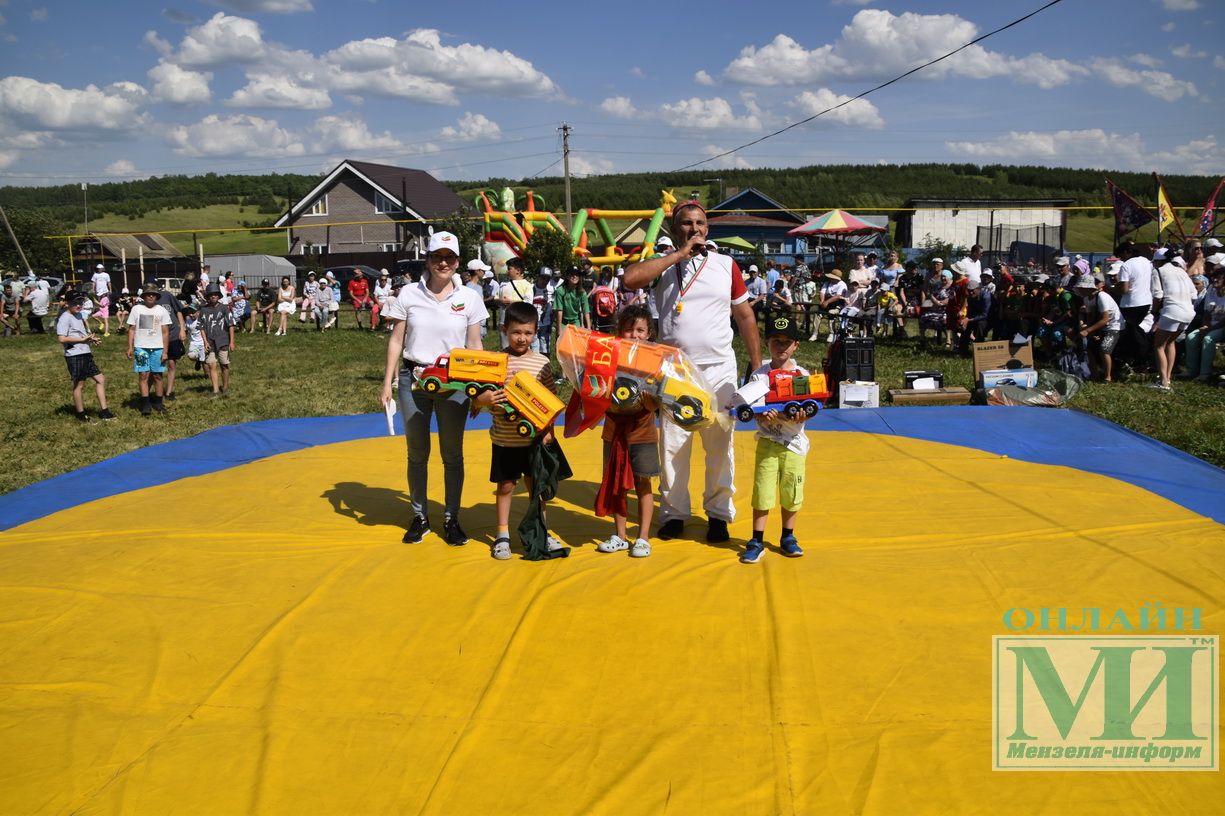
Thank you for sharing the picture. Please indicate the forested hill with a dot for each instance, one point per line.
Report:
(860, 187)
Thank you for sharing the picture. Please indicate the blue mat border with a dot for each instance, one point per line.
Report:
(1041, 435)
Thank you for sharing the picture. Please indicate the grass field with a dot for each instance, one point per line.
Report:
(340, 372)
(177, 226)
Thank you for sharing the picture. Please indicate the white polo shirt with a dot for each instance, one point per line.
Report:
(702, 328)
(435, 326)
(1137, 271)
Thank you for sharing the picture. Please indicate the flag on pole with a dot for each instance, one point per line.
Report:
(1208, 216)
(1129, 214)
(1165, 212)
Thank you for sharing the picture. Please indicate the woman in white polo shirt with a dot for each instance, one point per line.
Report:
(428, 319)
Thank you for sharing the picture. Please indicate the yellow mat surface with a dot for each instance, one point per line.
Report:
(259, 641)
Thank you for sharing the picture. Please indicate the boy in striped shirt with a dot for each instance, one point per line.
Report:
(511, 455)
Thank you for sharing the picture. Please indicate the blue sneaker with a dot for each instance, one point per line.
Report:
(753, 552)
(790, 547)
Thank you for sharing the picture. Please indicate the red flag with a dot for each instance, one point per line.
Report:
(1208, 216)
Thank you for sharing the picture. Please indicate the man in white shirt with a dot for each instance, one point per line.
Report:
(101, 281)
(1135, 285)
(38, 294)
(972, 264)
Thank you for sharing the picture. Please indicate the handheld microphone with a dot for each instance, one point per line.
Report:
(702, 249)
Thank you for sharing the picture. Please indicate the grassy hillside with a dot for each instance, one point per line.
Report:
(177, 225)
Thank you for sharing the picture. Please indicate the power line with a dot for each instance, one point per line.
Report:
(859, 96)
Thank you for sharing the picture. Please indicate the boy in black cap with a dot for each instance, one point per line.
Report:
(217, 328)
(782, 448)
(75, 336)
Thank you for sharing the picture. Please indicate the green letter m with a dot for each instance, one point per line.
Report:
(1118, 714)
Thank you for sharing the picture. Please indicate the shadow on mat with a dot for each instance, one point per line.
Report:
(371, 506)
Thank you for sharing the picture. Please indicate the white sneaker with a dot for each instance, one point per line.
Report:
(501, 549)
(615, 543)
(553, 542)
(641, 549)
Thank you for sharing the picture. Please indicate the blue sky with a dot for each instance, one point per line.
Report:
(99, 92)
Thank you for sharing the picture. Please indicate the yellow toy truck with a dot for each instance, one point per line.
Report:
(469, 370)
(530, 405)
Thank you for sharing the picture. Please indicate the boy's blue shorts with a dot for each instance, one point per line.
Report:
(149, 360)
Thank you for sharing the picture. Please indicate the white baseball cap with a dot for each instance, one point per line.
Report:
(488, 274)
(753, 268)
(711, 245)
(1218, 258)
(477, 263)
(443, 240)
(99, 266)
(1062, 260)
(938, 260)
(1212, 243)
(664, 240)
(1160, 254)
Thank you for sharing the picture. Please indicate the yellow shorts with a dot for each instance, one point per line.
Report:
(777, 469)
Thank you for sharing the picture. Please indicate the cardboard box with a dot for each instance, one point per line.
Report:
(953, 395)
(1001, 354)
(910, 378)
(858, 394)
(1024, 377)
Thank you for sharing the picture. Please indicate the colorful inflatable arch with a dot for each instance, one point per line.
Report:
(514, 227)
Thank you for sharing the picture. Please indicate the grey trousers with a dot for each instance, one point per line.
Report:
(416, 408)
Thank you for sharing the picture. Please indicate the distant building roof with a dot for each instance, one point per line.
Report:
(746, 220)
(997, 203)
(151, 243)
(747, 202)
(420, 194)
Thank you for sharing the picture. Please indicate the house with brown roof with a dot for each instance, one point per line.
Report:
(363, 207)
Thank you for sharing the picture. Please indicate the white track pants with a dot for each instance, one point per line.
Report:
(676, 453)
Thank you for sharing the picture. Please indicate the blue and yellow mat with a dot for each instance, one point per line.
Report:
(230, 624)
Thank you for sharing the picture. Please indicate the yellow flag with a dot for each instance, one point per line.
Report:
(1165, 213)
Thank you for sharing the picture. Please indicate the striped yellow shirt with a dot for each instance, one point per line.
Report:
(503, 432)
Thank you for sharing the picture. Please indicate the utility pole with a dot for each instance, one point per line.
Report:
(565, 164)
(85, 195)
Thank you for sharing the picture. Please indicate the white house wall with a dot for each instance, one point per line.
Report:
(960, 226)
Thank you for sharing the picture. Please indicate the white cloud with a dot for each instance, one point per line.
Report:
(1186, 52)
(1167, 27)
(1218, 62)
(1180, 5)
(851, 2)
(39, 15)
(236, 135)
(637, 72)
(860, 113)
(1160, 84)
(878, 44)
(1093, 148)
(348, 134)
(8, 158)
(472, 127)
(266, 6)
(1146, 60)
(122, 168)
(703, 78)
(705, 114)
(585, 164)
(283, 91)
(178, 86)
(46, 105)
(620, 107)
(421, 67)
(221, 40)
(162, 47)
(732, 162)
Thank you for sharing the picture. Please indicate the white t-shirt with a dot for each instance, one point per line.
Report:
(1137, 271)
(148, 323)
(787, 432)
(706, 288)
(1213, 306)
(833, 289)
(435, 327)
(973, 269)
(862, 275)
(38, 295)
(1173, 287)
(102, 283)
(382, 292)
(1106, 305)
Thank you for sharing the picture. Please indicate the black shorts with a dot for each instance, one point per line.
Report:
(509, 464)
(81, 367)
(176, 350)
(644, 458)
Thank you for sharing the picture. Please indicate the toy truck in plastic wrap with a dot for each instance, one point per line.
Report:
(660, 371)
(469, 370)
(792, 395)
(530, 405)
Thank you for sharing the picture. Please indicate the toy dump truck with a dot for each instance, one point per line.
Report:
(530, 405)
(642, 368)
(792, 395)
(469, 370)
